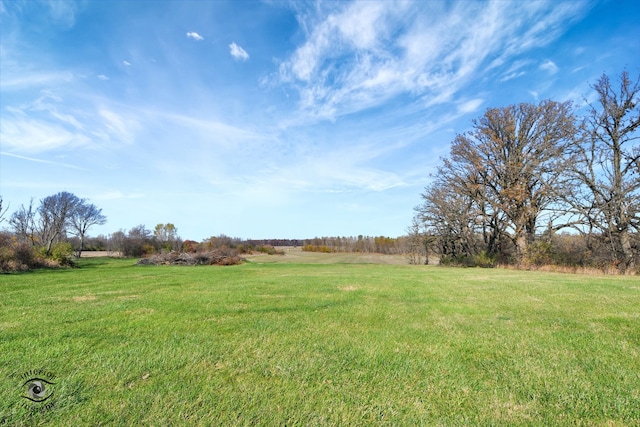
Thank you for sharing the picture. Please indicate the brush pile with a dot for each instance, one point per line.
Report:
(213, 257)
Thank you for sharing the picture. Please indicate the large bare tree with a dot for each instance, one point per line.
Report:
(512, 163)
(54, 215)
(607, 168)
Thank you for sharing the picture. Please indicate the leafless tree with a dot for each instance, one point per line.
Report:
(138, 242)
(607, 168)
(3, 211)
(116, 241)
(23, 223)
(449, 215)
(54, 215)
(83, 217)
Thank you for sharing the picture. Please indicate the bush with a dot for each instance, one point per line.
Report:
(540, 253)
(61, 253)
(457, 261)
(17, 255)
(269, 250)
(485, 260)
(24, 254)
(317, 248)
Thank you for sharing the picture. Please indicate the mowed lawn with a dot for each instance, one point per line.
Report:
(281, 343)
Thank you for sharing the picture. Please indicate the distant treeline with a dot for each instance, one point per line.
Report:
(363, 244)
(140, 241)
(275, 242)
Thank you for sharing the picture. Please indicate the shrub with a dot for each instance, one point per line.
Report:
(61, 252)
(269, 250)
(458, 260)
(485, 260)
(24, 253)
(317, 248)
(18, 255)
(540, 253)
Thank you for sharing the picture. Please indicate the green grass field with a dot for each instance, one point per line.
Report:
(272, 342)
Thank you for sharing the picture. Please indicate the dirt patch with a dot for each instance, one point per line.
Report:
(139, 311)
(7, 325)
(84, 298)
(96, 254)
(348, 288)
(129, 297)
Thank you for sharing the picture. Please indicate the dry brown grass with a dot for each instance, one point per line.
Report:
(95, 254)
(590, 271)
(296, 255)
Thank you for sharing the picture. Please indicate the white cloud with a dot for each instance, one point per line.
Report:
(470, 106)
(515, 70)
(194, 35)
(42, 124)
(102, 77)
(28, 135)
(126, 63)
(549, 66)
(22, 79)
(49, 162)
(512, 76)
(63, 12)
(115, 195)
(238, 53)
(368, 52)
(223, 131)
(117, 126)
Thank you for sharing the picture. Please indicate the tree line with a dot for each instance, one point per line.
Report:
(529, 178)
(356, 244)
(42, 231)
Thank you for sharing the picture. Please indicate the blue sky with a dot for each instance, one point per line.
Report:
(276, 119)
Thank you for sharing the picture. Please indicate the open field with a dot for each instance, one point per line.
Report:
(295, 255)
(303, 341)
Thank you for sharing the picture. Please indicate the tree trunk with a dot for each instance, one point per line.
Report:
(628, 263)
(81, 246)
(521, 241)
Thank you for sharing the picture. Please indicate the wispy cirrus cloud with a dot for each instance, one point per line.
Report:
(119, 127)
(368, 52)
(116, 195)
(22, 79)
(63, 12)
(470, 106)
(40, 127)
(515, 70)
(549, 66)
(48, 162)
